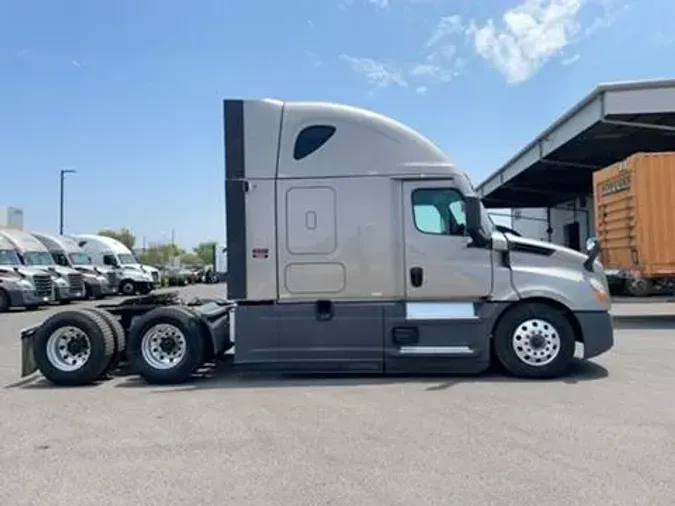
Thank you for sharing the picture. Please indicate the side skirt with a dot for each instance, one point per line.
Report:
(328, 337)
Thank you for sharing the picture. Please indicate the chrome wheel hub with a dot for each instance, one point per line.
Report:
(68, 349)
(536, 342)
(163, 346)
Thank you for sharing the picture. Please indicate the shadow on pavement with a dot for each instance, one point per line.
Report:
(222, 376)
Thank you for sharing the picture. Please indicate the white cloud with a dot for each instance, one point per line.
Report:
(379, 74)
(76, 63)
(421, 90)
(570, 60)
(379, 4)
(448, 25)
(533, 32)
(609, 10)
(314, 60)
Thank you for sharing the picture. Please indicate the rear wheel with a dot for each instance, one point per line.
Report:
(639, 287)
(73, 347)
(534, 340)
(166, 345)
(118, 334)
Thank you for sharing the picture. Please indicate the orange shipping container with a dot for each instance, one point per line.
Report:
(635, 214)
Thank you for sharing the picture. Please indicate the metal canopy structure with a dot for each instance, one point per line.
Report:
(613, 122)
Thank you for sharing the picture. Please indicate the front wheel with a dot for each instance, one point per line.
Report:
(534, 341)
(128, 287)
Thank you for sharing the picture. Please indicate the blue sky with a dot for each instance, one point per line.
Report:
(128, 92)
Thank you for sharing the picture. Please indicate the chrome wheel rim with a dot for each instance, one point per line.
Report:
(163, 346)
(536, 342)
(68, 349)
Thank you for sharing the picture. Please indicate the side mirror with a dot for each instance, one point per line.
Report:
(592, 252)
(474, 222)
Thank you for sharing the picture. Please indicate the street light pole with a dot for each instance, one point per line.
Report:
(63, 177)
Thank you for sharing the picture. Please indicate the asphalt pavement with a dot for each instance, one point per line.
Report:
(605, 435)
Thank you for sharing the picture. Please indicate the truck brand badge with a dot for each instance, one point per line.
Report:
(616, 184)
(260, 252)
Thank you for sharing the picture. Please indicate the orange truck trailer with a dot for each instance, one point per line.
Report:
(635, 222)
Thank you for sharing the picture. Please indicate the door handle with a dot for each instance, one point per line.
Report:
(416, 276)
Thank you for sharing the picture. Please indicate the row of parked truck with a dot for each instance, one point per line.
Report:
(38, 269)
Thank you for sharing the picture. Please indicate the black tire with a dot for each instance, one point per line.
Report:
(187, 323)
(5, 303)
(639, 287)
(550, 321)
(118, 334)
(128, 287)
(102, 347)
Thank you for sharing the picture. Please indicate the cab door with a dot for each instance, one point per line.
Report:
(438, 327)
(440, 264)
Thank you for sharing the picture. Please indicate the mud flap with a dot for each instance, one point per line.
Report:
(28, 364)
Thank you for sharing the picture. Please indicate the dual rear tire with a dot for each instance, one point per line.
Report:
(167, 345)
(82, 346)
(78, 346)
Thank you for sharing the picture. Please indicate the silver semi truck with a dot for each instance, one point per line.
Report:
(99, 282)
(68, 284)
(354, 246)
(21, 285)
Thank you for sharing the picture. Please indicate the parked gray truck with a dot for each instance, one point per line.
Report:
(99, 282)
(67, 283)
(20, 285)
(354, 246)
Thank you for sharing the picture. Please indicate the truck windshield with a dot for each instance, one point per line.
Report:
(126, 259)
(9, 257)
(79, 258)
(38, 258)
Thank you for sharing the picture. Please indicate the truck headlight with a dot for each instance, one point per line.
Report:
(26, 285)
(599, 290)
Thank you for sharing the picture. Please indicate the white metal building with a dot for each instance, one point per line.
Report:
(549, 184)
(11, 217)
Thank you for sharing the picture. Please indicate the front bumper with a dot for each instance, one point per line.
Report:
(62, 292)
(597, 332)
(23, 298)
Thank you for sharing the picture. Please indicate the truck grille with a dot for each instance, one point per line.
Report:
(43, 285)
(76, 282)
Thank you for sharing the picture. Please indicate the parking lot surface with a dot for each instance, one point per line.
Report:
(604, 435)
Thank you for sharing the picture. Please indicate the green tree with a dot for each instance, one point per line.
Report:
(205, 250)
(159, 254)
(123, 235)
(189, 258)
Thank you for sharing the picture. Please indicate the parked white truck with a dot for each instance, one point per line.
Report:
(108, 252)
(99, 282)
(17, 282)
(67, 283)
(354, 245)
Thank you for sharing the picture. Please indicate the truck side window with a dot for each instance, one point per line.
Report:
(109, 260)
(60, 259)
(310, 139)
(439, 211)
